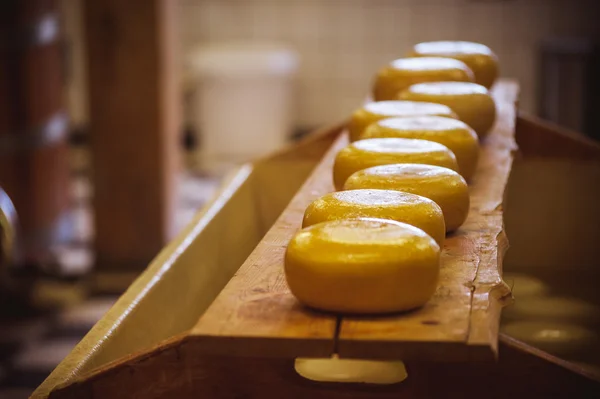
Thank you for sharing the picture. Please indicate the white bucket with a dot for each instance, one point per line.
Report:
(243, 103)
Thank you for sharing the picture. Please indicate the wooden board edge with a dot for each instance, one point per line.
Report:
(512, 345)
(84, 383)
(540, 138)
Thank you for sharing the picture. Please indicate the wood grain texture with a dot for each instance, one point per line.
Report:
(171, 370)
(134, 125)
(256, 315)
(461, 320)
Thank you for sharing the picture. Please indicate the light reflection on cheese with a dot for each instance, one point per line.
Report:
(351, 370)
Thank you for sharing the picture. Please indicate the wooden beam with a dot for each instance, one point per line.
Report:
(133, 124)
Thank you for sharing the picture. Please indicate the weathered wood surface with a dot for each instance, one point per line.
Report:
(172, 370)
(256, 315)
(461, 320)
(133, 110)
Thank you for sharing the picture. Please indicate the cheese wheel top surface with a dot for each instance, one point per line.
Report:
(419, 64)
(377, 110)
(398, 145)
(407, 108)
(380, 198)
(395, 205)
(452, 48)
(420, 123)
(448, 88)
(409, 171)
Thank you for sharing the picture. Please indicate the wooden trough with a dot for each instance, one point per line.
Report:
(212, 316)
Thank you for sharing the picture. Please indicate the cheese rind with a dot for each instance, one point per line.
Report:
(395, 205)
(403, 72)
(479, 57)
(444, 186)
(471, 102)
(452, 133)
(377, 110)
(364, 154)
(362, 266)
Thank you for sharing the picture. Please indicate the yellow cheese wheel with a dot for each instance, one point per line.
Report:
(364, 154)
(551, 308)
(479, 57)
(362, 266)
(559, 339)
(403, 72)
(444, 186)
(472, 102)
(377, 110)
(413, 209)
(452, 133)
(351, 370)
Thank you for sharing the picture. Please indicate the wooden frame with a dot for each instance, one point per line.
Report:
(109, 362)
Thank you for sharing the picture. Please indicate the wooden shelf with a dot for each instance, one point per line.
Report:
(256, 315)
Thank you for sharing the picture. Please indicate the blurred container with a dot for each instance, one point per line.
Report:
(242, 107)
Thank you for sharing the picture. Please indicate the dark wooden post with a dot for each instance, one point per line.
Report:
(33, 124)
(133, 110)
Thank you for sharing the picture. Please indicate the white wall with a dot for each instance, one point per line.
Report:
(343, 42)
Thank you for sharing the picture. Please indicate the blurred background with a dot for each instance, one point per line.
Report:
(118, 120)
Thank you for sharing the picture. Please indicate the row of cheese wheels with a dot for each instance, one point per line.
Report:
(374, 245)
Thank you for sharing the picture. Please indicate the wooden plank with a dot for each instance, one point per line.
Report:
(461, 320)
(170, 370)
(540, 138)
(255, 314)
(133, 114)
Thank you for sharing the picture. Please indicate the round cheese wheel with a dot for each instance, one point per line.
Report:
(471, 102)
(442, 185)
(551, 308)
(362, 266)
(351, 370)
(480, 58)
(560, 339)
(403, 72)
(364, 154)
(377, 110)
(452, 133)
(524, 286)
(413, 209)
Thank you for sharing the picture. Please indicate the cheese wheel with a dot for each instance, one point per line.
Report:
(362, 266)
(559, 339)
(377, 110)
(480, 58)
(403, 72)
(442, 185)
(472, 102)
(454, 134)
(559, 309)
(351, 370)
(524, 286)
(364, 154)
(413, 209)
